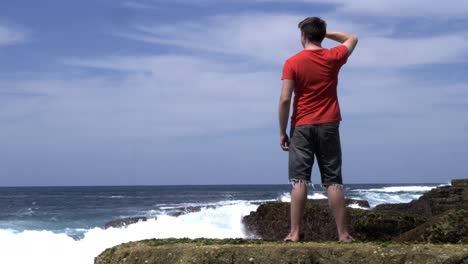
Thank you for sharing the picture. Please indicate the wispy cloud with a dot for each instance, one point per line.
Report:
(166, 96)
(271, 38)
(375, 52)
(140, 5)
(401, 8)
(11, 35)
(377, 8)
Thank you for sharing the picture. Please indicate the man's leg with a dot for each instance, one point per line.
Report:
(301, 160)
(298, 199)
(337, 204)
(329, 161)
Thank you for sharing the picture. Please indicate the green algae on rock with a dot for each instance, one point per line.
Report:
(448, 227)
(257, 251)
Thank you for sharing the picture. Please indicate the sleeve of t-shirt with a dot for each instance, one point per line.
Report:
(288, 71)
(340, 55)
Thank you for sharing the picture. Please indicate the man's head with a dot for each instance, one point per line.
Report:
(313, 30)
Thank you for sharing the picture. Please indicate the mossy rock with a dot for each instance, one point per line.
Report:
(460, 182)
(449, 227)
(235, 251)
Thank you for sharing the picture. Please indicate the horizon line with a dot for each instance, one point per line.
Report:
(229, 184)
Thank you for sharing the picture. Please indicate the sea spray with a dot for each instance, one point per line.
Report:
(58, 248)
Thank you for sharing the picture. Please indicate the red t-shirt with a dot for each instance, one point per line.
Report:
(315, 74)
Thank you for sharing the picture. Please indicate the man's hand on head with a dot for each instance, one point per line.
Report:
(349, 40)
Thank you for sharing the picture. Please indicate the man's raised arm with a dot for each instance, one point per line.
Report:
(346, 39)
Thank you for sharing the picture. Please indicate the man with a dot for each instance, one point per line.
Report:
(312, 75)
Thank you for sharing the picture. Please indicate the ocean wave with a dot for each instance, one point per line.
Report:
(395, 189)
(54, 248)
(376, 198)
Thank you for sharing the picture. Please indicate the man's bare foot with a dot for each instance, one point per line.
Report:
(346, 238)
(292, 237)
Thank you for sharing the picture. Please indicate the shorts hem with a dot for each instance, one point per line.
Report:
(332, 184)
(295, 181)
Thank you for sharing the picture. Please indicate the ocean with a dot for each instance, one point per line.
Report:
(66, 224)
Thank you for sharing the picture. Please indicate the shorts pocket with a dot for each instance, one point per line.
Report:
(330, 139)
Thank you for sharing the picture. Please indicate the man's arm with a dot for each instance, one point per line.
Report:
(284, 106)
(349, 40)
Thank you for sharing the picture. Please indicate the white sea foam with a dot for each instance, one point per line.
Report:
(394, 189)
(394, 194)
(286, 197)
(48, 247)
(357, 206)
(375, 198)
(187, 206)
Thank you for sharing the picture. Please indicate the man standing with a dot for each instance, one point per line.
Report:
(312, 75)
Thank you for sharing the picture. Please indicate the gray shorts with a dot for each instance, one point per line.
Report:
(321, 141)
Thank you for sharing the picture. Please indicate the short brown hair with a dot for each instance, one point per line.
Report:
(314, 28)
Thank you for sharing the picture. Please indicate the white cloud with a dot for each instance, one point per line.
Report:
(152, 97)
(375, 52)
(391, 8)
(246, 35)
(139, 5)
(10, 35)
(398, 8)
(385, 8)
(263, 37)
(271, 38)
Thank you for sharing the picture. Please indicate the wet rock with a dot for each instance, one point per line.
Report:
(448, 227)
(271, 222)
(460, 182)
(361, 203)
(124, 222)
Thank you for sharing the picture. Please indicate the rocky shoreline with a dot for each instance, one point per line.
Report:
(431, 229)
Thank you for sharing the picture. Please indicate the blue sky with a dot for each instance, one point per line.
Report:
(109, 92)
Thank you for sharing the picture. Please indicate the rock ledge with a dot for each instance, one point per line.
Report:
(260, 251)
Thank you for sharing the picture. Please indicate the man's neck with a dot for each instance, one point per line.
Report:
(312, 46)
